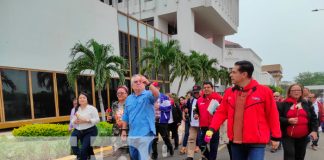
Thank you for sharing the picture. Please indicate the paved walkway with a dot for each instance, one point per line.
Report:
(223, 153)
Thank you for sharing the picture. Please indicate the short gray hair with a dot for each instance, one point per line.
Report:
(134, 76)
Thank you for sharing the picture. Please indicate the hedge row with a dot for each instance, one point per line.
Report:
(34, 130)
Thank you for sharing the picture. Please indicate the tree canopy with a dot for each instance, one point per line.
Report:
(310, 78)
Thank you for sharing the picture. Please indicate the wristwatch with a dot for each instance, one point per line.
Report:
(148, 85)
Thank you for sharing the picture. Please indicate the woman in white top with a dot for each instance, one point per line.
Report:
(85, 120)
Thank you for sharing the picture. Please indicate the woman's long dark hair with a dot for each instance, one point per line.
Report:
(88, 99)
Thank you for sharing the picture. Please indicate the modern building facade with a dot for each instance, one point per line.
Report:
(199, 25)
(275, 70)
(235, 52)
(35, 44)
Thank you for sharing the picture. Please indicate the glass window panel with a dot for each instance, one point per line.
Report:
(113, 88)
(133, 27)
(142, 31)
(165, 38)
(66, 94)
(150, 33)
(15, 94)
(122, 23)
(43, 94)
(104, 99)
(85, 85)
(134, 54)
(158, 35)
(123, 47)
(143, 43)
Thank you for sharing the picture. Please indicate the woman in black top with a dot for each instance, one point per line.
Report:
(297, 121)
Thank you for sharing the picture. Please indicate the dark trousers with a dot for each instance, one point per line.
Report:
(294, 148)
(212, 154)
(315, 142)
(173, 127)
(161, 129)
(186, 135)
(86, 137)
(247, 151)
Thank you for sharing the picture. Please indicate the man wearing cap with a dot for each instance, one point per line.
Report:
(194, 122)
(162, 106)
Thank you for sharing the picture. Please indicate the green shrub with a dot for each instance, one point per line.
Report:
(33, 130)
(104, 129)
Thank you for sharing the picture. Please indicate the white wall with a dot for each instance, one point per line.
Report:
(40, 34)
(266, 79)
(232, 55)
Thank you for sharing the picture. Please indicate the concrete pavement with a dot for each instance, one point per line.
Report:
(223, 153)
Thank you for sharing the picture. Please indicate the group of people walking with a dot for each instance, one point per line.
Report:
(255, 117)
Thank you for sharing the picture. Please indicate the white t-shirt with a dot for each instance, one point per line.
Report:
(316, 109)
(194, 122)
(89, 112)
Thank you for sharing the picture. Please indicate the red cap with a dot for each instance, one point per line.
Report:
(171, 101)
(155, 84)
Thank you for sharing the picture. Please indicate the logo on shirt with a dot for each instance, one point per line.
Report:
(256, 98)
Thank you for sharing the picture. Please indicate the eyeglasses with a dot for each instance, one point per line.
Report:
(137, 82)
(275, 96)
(120, 93)
(311, 97)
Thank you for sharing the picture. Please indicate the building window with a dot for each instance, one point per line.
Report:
(158, 35)
(123, 48)
(150, 33)
(149, 21)
(122, 23)
(172, 29)
(134, 54)
(65, 93)
(133, 27)
(43, 94)
(15, 94)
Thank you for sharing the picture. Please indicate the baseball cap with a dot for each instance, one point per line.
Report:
(156, 84)
(196, 88)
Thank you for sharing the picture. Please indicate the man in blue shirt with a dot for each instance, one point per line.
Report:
(139, 116)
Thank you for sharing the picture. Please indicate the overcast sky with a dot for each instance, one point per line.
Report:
(285, 32)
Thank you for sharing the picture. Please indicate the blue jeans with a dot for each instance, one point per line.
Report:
(247, 151)
(212, 154)
(86, 137)
(186, 135)
(139, 147)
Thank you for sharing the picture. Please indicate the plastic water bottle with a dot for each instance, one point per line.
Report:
(164, 150)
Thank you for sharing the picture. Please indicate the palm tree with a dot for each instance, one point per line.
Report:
(99, 59)
(184, 68)
(159, 55)
(207, 70)
(224, 76)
